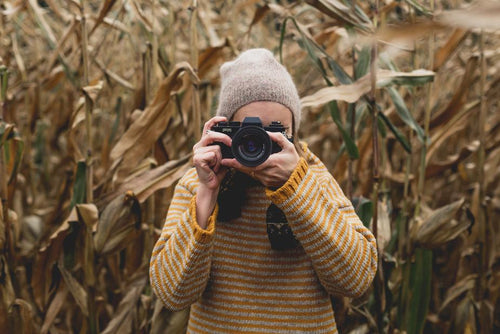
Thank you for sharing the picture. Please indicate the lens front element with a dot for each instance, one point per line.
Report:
(251, 146)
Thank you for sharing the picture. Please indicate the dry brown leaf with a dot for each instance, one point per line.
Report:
(458, 289)
(114, 76)
(7, 293)
(21, 317)
(76, 290)
(18, 57)
(343, 13)
(136, 8)
(119, 26)
(482, 14)
(210, 57)
(48, 254)
(60, 11)
(39, 14)
(441, 226)
(120, 219)
(448, 129)
(459, 97)
(55, 306)
(92, 91)
(10, 9)
(105, 8)
(383, 226)
(353, 92)
(160, 178)
(445, 52)
(259, 14)
(145, 183)
(123, 319)
(88, 214)
(58, 52)
(142, 134)
(165, 321)
(437, 168)
(402, 34)
(465, 317)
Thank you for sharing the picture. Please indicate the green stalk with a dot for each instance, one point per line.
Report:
(416, 285)
(90, 279)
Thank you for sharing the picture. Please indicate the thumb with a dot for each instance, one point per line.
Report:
(280, 139)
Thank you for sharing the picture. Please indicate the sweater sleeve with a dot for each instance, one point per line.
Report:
(342, 250)
(180, 263)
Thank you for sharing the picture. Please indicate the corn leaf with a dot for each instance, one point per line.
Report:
(343, 13)
(350, 145)
(441, 226)
(118, 224)
(353, 92)
(79, 187)
(143, 133)
(364, 209)
(404, 113)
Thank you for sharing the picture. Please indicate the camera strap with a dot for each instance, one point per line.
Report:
(231, 198)
(278, 231)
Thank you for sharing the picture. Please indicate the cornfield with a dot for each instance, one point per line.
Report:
(102, 101)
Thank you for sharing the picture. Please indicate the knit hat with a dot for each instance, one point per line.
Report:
(256, 76)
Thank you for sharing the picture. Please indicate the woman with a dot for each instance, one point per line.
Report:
(260, 249)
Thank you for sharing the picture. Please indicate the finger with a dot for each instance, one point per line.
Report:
(212, 148)
(212, 137)
(205, 159)
(212, 121)
(233, 163)
(280, 139)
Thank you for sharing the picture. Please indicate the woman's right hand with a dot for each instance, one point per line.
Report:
(207, 161)
(207, 157)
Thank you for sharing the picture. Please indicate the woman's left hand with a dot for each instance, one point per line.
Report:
(277, 169)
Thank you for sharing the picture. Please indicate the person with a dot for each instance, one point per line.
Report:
(260, 249)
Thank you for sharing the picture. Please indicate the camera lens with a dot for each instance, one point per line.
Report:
(251, 146)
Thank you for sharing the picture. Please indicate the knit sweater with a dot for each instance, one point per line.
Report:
(233, 280)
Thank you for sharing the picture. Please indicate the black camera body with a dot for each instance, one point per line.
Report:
(251, 145)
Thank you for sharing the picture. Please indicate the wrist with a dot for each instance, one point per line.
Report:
(206, 198)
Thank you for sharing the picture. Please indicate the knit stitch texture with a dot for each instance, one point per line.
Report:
(233, 280)
(256, 76)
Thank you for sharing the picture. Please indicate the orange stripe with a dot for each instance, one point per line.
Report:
(277, 326)
(272, 309)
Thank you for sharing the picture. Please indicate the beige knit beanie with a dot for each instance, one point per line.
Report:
(256, 76)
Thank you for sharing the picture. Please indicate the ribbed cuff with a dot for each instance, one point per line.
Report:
(202, 235)
(291, 185)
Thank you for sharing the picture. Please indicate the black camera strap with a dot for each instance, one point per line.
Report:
(231, 198)
(278, 231)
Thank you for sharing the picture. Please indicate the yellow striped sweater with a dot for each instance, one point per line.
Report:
(233, 280)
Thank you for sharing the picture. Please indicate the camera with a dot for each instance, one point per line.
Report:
(251, 145)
